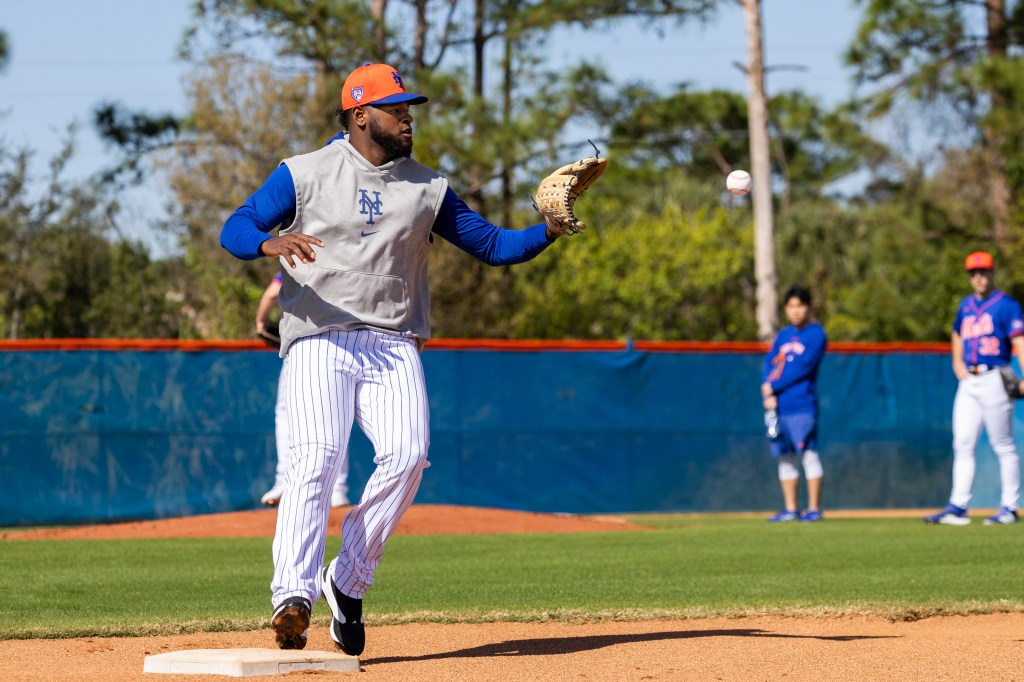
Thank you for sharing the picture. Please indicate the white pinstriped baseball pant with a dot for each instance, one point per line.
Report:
(980, 402)
(335, 377)
(281, 439)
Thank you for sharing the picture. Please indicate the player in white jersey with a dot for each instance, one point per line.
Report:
(988, 326)
(266, 329)
(357, 222)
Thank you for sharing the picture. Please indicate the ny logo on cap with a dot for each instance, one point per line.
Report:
(398, 79)
(357, 93)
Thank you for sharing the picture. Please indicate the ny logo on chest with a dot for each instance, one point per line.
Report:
(370, 207)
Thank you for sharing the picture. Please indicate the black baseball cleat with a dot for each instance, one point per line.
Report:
(347, 629)
(290, 622)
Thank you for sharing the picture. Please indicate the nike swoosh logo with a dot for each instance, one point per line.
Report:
(364, 233)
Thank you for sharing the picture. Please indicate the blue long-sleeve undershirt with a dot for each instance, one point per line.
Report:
(273, 204)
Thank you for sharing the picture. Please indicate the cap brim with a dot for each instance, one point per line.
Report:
(400, 98)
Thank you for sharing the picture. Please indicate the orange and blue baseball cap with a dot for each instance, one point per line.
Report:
(376, 84)
(979, 260)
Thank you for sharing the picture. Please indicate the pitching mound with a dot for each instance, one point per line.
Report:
(421, 519)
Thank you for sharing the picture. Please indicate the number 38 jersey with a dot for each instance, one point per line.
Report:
(986, 326)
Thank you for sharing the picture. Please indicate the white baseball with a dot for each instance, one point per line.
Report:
(738, 182)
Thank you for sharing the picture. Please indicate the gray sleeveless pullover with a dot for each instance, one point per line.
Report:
(375, 223)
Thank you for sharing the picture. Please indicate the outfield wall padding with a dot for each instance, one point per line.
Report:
(115, 434)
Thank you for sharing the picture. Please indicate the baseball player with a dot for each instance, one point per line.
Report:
(264, 326)
(987, 327)
(789, 388)
(357, 218)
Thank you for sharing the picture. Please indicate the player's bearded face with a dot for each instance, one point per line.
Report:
(388, 136)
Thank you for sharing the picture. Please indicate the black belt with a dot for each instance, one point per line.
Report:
(978, 369)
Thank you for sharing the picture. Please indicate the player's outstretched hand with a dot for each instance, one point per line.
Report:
(289, 246)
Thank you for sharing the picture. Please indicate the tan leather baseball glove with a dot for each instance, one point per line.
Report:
(556, 196)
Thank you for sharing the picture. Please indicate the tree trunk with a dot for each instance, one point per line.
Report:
(506, 118)
(760, 172)
(419, 43)
(15, 329)
(377, 9)
(476, 196)
(995, 22)
(1000, 196)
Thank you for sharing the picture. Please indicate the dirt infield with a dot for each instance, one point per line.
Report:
(982, 648)
(989, 647)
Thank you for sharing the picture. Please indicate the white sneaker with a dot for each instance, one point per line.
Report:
(952, 515)
(1004, 517)
(273, 496)
(339, 498)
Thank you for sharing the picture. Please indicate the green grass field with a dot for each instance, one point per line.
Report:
(687, 567)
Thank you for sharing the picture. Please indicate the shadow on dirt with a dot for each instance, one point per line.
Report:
(570, 645)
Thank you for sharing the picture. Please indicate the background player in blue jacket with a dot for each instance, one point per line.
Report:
(789, 387)
(987, 327)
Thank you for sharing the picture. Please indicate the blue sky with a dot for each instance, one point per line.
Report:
(69, 55)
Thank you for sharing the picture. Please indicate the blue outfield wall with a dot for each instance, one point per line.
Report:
(112, 435)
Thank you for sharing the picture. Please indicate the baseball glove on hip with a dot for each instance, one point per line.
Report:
(556, 196)
(271, 336)
(1011, 382)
